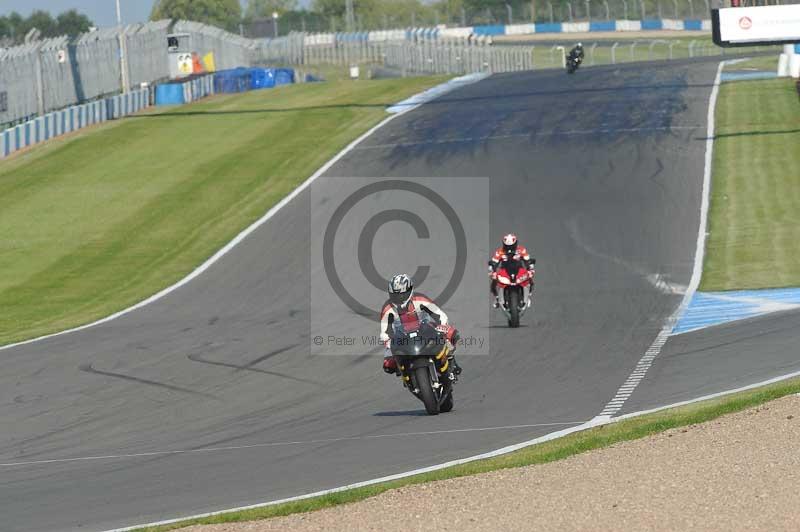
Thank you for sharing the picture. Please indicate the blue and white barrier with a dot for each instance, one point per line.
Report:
(71, 119)
(428, 33)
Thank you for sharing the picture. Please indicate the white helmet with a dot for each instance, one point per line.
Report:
(401, 288)
(510, 244)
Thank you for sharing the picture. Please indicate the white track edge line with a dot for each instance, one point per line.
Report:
(640, 370)
(238, 238)
(596, 422)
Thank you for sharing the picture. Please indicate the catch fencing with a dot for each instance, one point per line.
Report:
(42, 76)
(456, 58)
(451, 57)
(51, 74)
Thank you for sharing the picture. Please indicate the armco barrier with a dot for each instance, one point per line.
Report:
(554, 27)
(652, 24)
(489, 30)
(71, 119)
(693, 25)
(608, 25)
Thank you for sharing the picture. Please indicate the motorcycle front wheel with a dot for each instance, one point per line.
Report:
(422, 377)
(513, 308)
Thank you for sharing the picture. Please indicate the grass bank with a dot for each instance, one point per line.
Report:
(754, 218)
(99, 220)
(559, 449)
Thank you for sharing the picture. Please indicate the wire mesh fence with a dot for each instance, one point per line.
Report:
(480, 54)
(46, 75)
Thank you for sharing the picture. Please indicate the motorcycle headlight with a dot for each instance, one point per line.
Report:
(502, 279)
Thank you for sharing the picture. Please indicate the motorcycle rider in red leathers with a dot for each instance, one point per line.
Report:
(403, 302)
(509, 249)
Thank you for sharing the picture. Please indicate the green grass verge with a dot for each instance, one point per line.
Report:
(97, 221)
(754, 219)
(551, 451)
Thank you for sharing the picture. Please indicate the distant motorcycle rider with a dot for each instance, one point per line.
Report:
(509, 250)
(577, 53)
(403, 301)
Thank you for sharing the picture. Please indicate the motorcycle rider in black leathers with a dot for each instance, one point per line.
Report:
(403, 300)
(577, 53)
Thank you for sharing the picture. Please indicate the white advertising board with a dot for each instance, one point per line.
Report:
(742, 26)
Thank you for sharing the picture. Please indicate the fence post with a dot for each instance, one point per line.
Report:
(614, 53)
(37, 51)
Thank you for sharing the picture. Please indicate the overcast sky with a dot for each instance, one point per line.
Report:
(102, 12)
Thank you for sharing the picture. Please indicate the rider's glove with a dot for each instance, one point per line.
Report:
(493, 275)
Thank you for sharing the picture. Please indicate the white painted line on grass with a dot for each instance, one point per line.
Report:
(640, 371)
(435, 92)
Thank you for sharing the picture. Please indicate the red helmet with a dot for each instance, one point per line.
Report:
(510, 244)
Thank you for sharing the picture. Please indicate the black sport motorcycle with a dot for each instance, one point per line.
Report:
(573, 62)
(422, 354)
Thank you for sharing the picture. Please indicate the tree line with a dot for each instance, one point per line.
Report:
(330, 15)
(323, 15)
(14, 27)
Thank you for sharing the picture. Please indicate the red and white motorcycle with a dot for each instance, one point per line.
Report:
(514, 283)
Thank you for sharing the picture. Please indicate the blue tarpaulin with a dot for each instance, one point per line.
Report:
(233, 80)
(284, 76)
(262, 78)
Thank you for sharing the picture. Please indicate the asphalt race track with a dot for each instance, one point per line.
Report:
(600, 174)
